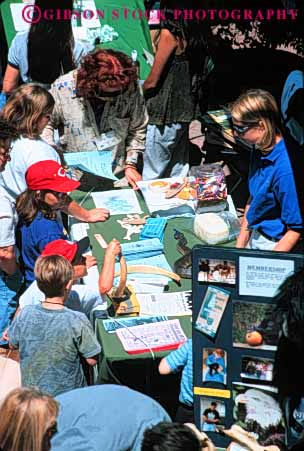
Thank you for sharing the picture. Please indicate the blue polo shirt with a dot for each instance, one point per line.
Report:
(33, 239)
(274, 202)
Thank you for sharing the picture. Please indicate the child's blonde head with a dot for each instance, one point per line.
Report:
(53, 273)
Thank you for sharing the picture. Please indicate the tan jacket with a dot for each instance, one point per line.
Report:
(126, 115)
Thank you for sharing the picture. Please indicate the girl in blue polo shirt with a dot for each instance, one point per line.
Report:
(37, 209)
(272, 218)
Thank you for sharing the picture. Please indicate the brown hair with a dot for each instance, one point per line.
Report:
(29, 203)
(257, 105)
(52, 274)
(7, 130)
(106, 64)
(26, 106)
(27, 417)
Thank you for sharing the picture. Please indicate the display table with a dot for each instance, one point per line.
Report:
(133, 33)
(115, 364)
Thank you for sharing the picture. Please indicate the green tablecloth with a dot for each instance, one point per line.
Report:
(112, 351)
(134, 34)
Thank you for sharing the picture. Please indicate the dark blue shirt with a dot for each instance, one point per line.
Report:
(274, 205)
(34, 237)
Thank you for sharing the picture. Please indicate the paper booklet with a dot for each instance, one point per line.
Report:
(160, 336)
(171, 304)
(112, 324)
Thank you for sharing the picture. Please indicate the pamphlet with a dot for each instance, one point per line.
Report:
(112, 324)
(171, 304)
(212, 310)
(164, 335)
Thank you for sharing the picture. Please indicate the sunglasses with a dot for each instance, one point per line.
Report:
(241, 129)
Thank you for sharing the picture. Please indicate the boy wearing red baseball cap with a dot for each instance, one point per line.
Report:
(81, 297)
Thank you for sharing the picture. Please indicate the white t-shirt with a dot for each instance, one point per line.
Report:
(24, 153)
(8, 219)
(81, 298)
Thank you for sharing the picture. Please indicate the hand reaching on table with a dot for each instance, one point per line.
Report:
(98, 215)
(133, 176)
(114, 248)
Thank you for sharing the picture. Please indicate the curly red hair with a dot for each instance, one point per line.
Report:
(102, 69)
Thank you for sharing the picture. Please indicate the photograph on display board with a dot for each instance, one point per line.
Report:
(212, 310)
(257, 368)
(257, 410)
(213, 414)
(255, 325)
(217, 271)
(214, 366)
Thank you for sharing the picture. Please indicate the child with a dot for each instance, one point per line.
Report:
(82, 298)
(37, 209)
(50, 337)
(174, 362)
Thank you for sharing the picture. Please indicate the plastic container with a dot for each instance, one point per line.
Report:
(211, 188)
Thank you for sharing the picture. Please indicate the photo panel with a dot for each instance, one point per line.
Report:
(259, 369)
(212, 310)
(217, 271)
(254, 325)
(212, 414)
(214, 367)
(256, 409)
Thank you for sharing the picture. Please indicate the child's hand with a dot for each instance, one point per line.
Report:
(114, 248)
(90, 261)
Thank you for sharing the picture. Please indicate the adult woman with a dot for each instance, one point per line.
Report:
(47, 50)
(37, 210)
(173, 88)
(29, 110)
(272, 218)
(28, 420)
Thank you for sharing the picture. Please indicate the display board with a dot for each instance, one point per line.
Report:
(235, 335)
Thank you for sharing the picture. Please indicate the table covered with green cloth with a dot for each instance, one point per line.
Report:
(114, 361)
(133, 32)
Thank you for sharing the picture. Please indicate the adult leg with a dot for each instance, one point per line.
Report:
(167, 151)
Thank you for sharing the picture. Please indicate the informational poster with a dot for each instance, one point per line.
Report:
(262, 276)
(235, 333)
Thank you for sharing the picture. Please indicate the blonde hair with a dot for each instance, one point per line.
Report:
(257, 105)
(26, 107)
(27, 415)
(52, 274)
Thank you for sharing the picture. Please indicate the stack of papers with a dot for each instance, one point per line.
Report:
(112, 324)
(170, 304)
(142, 249)
(164, 335)
(156, 200)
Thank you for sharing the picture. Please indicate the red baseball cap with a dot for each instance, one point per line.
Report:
(67, 249)
(48, 174)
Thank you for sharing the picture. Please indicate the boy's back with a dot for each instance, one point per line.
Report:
(50, 342)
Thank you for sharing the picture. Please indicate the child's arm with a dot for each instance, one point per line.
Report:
(106, 277)
(92, 361)
(163, 367)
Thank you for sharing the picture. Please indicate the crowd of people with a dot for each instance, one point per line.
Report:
(64, 97)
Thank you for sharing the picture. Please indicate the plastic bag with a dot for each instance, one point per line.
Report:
(216, 228)
(211, 188)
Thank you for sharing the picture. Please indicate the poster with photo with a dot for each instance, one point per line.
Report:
(214, 366)
(257, 410)
(262, 276)
(212, 414)
(217, 271)
(212, 310)
(254, 325)
(257, 368)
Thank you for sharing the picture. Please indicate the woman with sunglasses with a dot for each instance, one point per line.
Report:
(37, 207)
(28, 420)
(29, 110)
(272, 218)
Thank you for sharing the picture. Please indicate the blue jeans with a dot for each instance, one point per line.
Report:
(9, 289)
(167, 151)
